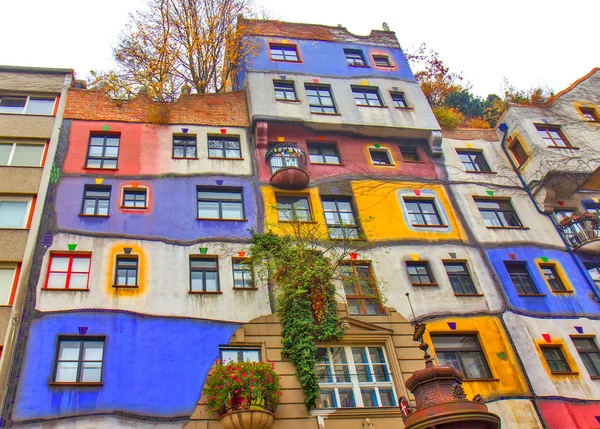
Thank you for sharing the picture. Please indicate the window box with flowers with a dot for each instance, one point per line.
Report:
(243, 394)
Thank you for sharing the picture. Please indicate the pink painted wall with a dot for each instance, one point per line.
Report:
(569, 415)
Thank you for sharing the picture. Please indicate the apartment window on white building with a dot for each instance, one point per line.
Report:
(14, 212)
(7, 280)
(553, 136)
(28, 105)
(21, 154)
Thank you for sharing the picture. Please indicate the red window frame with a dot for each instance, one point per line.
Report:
(69, 270)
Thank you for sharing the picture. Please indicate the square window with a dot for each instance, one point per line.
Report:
(399, 100)
(323, 153)
(553, 136)
(589, 114)
(460, 278)
(498, 213)
(320, 99)
(239, 354)
(204, 274)
(221, 203)
(519, 275)
(21, 154)
(243, 277)
(68, 271)
(552, 278)
(473, 161)
(14, 212)
(126, 271)
(419, 273)
(340, 218)
(285, 91)
(292, 208)
(518, 151)
(355, 58)
(464, 353)
(103, 151)
(555, 359)
(79, 360)
(361, 289)
(96, 200)
(224, 147)
(135, 198)
(7, 282)
(380, 157)
(368, 97)
(185, 147)
(589, 353)
(284, 53)
(382, 61)
(422, 212)
(410, 154)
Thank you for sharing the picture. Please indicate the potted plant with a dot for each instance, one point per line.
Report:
(243, 394)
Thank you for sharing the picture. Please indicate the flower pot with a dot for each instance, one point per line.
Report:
(247, 419)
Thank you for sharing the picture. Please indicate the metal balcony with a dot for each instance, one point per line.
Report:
(582, 231)
(288, 166)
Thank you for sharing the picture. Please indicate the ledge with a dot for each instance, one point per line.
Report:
(562, 292)
(100, 169)
(200, 292)
(73, 384)
(403, 108)
(325, 163)
(184, 158)
(62, 289)
(424, 284)
(225, 159)
(357, 412)
(288, 101)
(134, 208)
(245, 288)
(480, 172)
(481, 379)
(419, 225)
(468, 295)
(376, 107)
(125, 286)
(532, 295)
(564, 372)
(414, 162)
(560, 147)
(508, 227)
(326, 114)
(87, 215)
(224, 220)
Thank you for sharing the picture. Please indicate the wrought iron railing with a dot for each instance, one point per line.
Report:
(579, 229)
(285, 155)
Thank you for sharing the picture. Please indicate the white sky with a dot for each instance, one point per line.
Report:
(531, 42)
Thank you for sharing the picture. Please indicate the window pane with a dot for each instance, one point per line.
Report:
(57, 280)
(59, 264)
(7, 276)
(69, 350)
(211, 282)
(251, 355)
(40, 106)
(78, 281)
(475, 365)
(327, 399)
(346, 398)
(28, 155)
(387, 398)
(369, 397)
(232, 211)
(208, 209)
(66, 372)
(92, 350)
(92, 372)
(5, 150)
(12, 104)
(229, 356)
(12, 214)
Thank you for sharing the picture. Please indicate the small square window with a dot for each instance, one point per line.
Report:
(322, 153)
(464, 353)
(224, 147)
(410, 154)
(7, 282)
(221, 203)
(79, 360)
(239, 354)
(355, 58)
(589, 114)
(460, 278)
(498, 213)
(284, 53)
(551, 275)
(553, 136)
(382, 61)
(204, 274)
(285, 91)
(14, 212)
(419, 273)
(291, 208)
(126, 271)
(399, 100)
(518, 151)
(103, 151)
(135, 198)
(368, 97)
(360, 288)
(340, 218)
(68, 271)
(519, 275)
(555, 359)
(96, 200)
(589, 353)
(184, 147)
(422, 212)
(320, 99)
(21, 154)
(473, 161)
(243, 277)
(380, 157)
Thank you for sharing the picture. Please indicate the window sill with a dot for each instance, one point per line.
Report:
(564, 373)
(326, 163)
(384, 165)
(288, 101)
(357, 412)
(304, 222)
(224, 220)
(360, 67)
(82, 384)
(62, 289)
(376, 107)
(481, 379)
(225, 159)
(508, 227)
(595, 377)
(245, 288)
(13, 229)
(424, 284)
(562, 292)
(88, 215)
(125, 286)
(22, 166)
(480, 172)
(403, 108)
(100, 169)
(184, 158)
(134, 208)
(532, 295)
(200, 292)
(413, 162)
(326, 114)
(468, 295)
(560, 147)
(285, 61)
(419, 225)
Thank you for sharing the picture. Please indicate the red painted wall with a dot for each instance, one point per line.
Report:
(569, 415)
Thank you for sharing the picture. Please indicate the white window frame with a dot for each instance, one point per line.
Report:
(29, 97)
(14, 146)
(27, 210)
(354, 384)
(382, 149)
(12, 283)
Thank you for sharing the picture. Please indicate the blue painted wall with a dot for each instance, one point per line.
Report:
(576, 303)
(152, 366)
(171, 215)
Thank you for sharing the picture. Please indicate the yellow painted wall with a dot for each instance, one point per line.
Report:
(509, 379)
(142, 271)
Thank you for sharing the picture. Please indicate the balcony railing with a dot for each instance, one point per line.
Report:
(579, 229)
(288, 164)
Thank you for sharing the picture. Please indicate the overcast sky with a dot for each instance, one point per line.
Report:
(530, 42)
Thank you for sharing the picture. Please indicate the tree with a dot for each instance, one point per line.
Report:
(198, 43)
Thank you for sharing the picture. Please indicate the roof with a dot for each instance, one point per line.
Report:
(488, 134)
(24, 69)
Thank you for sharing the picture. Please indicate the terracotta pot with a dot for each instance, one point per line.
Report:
(247, 419)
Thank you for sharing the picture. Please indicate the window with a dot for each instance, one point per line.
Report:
(285, 91)
(382, 61)
(366, 96)
(242, 273)
(26, 104)
(96, 200)
(224, 147)
(220, 203)
(67, 271)
(204, 274)
(399, 100)
(14, 212)
(422, 212)
(7, 281)
(134, 198)
(589, 353)
(354, 376)
(79, 360)
(410, 154)
(464, 353)
(551, 275)
(519, 275)
(518, 151)
(460, 278)
(126, 271)
(589, 114)
(287, 157)
(555, 359)
(419, 273)
(498, 213)
(239, 354)
(594, 272)
(291, 208)
(320, 99)
(185, 147)
(284, 53)
(340, 218)
(553, 136)
(323, 153)
(103, 151)
(21, 154)
(355, 58)
(360, 288)
(473, 161)
(380, 157)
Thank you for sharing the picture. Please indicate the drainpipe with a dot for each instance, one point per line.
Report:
(504, 128)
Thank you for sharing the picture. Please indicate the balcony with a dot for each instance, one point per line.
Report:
(582, 231)
(288, 166)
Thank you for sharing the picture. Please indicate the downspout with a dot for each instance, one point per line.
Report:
(504, 128)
